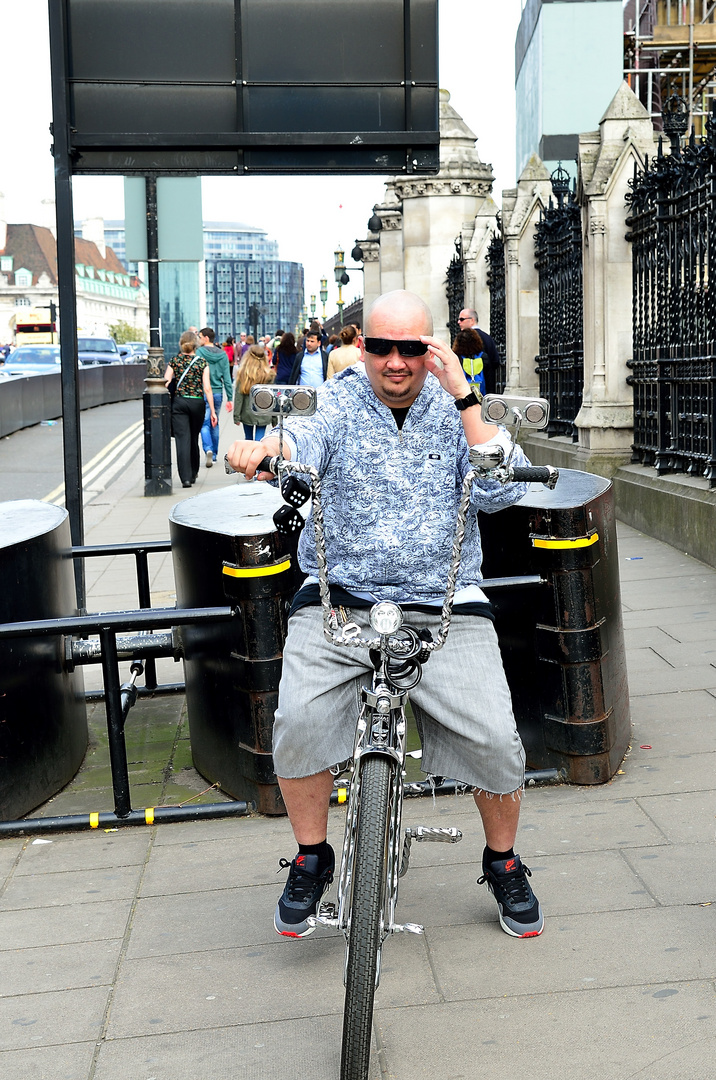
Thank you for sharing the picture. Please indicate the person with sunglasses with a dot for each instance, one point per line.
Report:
(391, 445)
(467, 320)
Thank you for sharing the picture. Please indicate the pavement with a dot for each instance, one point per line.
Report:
(149, 953)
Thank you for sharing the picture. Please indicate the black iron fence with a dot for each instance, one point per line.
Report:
(455, 289)
(496, 283)
(560, 363)
(672, 223)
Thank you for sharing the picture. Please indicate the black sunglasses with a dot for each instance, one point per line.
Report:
(381, 346)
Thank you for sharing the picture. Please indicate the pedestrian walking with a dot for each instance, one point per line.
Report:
(220, 378)
(345, 354)
(311, 365)
(467, 320)
(468, 345)
(284, 358)
(254, 369)
(229, 348)
(193, 384)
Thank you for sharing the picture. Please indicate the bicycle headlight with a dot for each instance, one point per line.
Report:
(386, 617)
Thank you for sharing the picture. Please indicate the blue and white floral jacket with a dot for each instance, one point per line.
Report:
(390, 497)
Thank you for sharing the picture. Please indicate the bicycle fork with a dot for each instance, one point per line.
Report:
(379, 732)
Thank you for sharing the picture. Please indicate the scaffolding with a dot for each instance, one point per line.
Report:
(670, 47)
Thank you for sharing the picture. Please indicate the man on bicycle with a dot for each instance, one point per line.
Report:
(390, 442)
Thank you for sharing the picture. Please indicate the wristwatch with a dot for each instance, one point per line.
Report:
(473, 398)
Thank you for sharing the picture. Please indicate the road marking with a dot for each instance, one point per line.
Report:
(131, 437)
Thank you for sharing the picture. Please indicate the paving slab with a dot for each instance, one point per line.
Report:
(646, 659)
(56, 1017)
(58, 967)
(63, 925)
(282, 980)
(679, 874)
(75, 887)
(613, 948)
(684, 819)
(265, 1051)
(657, 1032)
(203, 921)
(10, 851)
(667, 679)
(93, 850)
(449, 896)
(65, 1062)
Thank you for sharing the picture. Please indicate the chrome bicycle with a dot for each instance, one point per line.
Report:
(376, 851)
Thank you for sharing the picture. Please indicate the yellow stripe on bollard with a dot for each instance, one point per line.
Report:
(257, 571)
(94, 821)
(342, 794)
(564, 545)
(149, 815)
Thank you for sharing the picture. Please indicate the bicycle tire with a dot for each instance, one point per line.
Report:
(364, 937)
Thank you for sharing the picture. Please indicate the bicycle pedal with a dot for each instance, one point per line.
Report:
(443, 836)
(327, 915)
(407, 928)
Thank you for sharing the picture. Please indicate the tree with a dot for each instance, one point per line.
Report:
(123, 331)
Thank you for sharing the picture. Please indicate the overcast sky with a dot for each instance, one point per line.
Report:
(309, 216)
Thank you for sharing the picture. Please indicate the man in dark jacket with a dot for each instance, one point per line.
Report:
(467, 320)
(311, 364)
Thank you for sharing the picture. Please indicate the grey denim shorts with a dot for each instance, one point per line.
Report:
(462, 704)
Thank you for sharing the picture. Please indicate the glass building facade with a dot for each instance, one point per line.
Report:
(243, 270)
(179, 302)
(233, 286)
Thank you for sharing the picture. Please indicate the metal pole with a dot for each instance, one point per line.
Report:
(145, 601)
(115, 723)
(157, 402)
(71, 435)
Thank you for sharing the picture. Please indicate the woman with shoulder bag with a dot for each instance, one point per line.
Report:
(253, 369)
(191, 380)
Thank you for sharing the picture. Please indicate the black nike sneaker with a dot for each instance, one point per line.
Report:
(518, 907)
(304, 888)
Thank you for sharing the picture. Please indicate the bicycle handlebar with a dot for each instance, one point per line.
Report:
(540, 474)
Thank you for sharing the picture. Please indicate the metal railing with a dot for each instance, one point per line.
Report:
(672, 229)
(495, 259)
(560, 363)
(121, 635)
(455, 289)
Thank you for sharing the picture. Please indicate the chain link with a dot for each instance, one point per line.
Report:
(330, 620)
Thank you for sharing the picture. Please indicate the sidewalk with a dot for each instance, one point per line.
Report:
(149, 953)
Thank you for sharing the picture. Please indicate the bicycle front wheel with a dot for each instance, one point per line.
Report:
(367, 902)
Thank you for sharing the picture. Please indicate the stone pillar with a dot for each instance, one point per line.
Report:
(435, 209)
(391, 241)
(476, 237)
(423, 216)
(606, 163)
(521, 208)
(371, 272)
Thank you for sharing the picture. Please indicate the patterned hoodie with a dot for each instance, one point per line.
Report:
(390, 497)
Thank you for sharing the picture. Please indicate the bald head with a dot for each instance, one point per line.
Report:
(405, 306)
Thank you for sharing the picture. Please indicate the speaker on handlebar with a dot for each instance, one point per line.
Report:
(512, 411)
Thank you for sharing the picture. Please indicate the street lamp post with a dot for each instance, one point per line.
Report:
(341, 277)
(324, 295)
(313, 306)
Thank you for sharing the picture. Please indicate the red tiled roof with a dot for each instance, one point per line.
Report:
(33, 247)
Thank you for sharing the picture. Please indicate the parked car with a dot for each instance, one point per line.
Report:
(141, 351)
(32, 360)
(98, 350)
